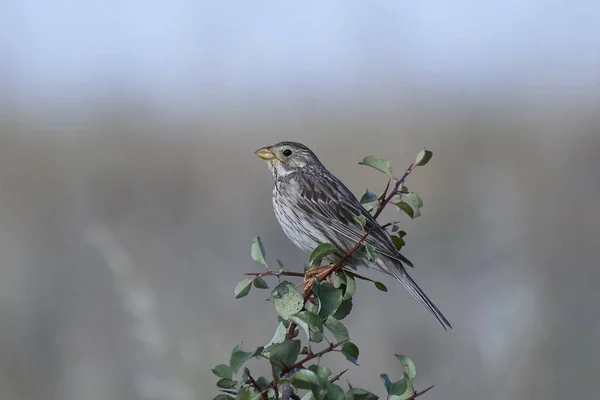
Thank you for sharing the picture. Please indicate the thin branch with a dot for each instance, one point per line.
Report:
(422, 392)
(391, 195)
(253, 383)
(273, 273)
(309, 357)
(338, 376)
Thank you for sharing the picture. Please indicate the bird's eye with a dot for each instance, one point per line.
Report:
(287, 152)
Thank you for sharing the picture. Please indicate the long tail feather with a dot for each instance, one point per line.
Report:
(415, 290)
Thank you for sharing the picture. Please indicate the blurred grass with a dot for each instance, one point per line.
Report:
(506, 244)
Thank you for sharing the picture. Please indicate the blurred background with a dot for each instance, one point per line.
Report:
(130, 194)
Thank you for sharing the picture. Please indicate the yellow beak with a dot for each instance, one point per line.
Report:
(265, 154)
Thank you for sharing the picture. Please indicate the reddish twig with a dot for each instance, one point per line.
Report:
(254, 384)
(391, 195)
(422, 392)
(272, 273)
(332, 346)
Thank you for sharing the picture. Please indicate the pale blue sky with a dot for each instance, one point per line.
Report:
(65, 47)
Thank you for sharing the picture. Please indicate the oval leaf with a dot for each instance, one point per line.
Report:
(343, 310)
(368, 197)
(284, 354)
(281, 266)
(242, 288)
(370, 251)
(377, 163)
(222, 371)
(381, 286)
(239, 357)
(223, 397)
(398, 241)
(409, 366)
(257, 251)
(338, 329)
(286, 299)
(320, 252)
(226, 383)
(260, 283)
(304, 379)
(330, 298)
(350, 287)
(360, 394)
(402, 206)
(351, 352)
(308, 321)
(386, 381)
(360, 220)
(423, 157)
(415, 203)
(399, 388)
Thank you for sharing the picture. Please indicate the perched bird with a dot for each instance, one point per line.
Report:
(313, 207)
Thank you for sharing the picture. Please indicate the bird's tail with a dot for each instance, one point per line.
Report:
(418, 294)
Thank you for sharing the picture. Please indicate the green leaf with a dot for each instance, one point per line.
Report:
(257, 251)
(377, 163)
(338, 329)
(316, 337)
(222, 371)
(370, 251)
(304, 379)
(250, 395)
(281, 266)
(279, 335)
(381, 286)
(286, 299)
(360, 220)
(262, 382)
(402, 389)
(360, 394)
(402, 234)
(223, 397)
(409, 366)
(284, 354)
(402, 206)
(343, 310)
(368, 197)
(351, 352)
(350, 288)
(226, 383)
(386, 381)
(313, 307)
(307, 321)
(239, 357)
(334, 392)
(320, 252)
(260, 283)
(414, 202)
(321, 371)
(242, 288)
(329, 297)
(369, 207)
(338, 279)
(423, 157)
(398, 241)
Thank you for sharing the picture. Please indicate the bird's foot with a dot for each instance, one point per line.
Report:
(318, 272)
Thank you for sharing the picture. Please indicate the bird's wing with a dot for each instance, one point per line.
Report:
(334, 205)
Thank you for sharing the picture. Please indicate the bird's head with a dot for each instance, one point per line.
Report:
(286, 157)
